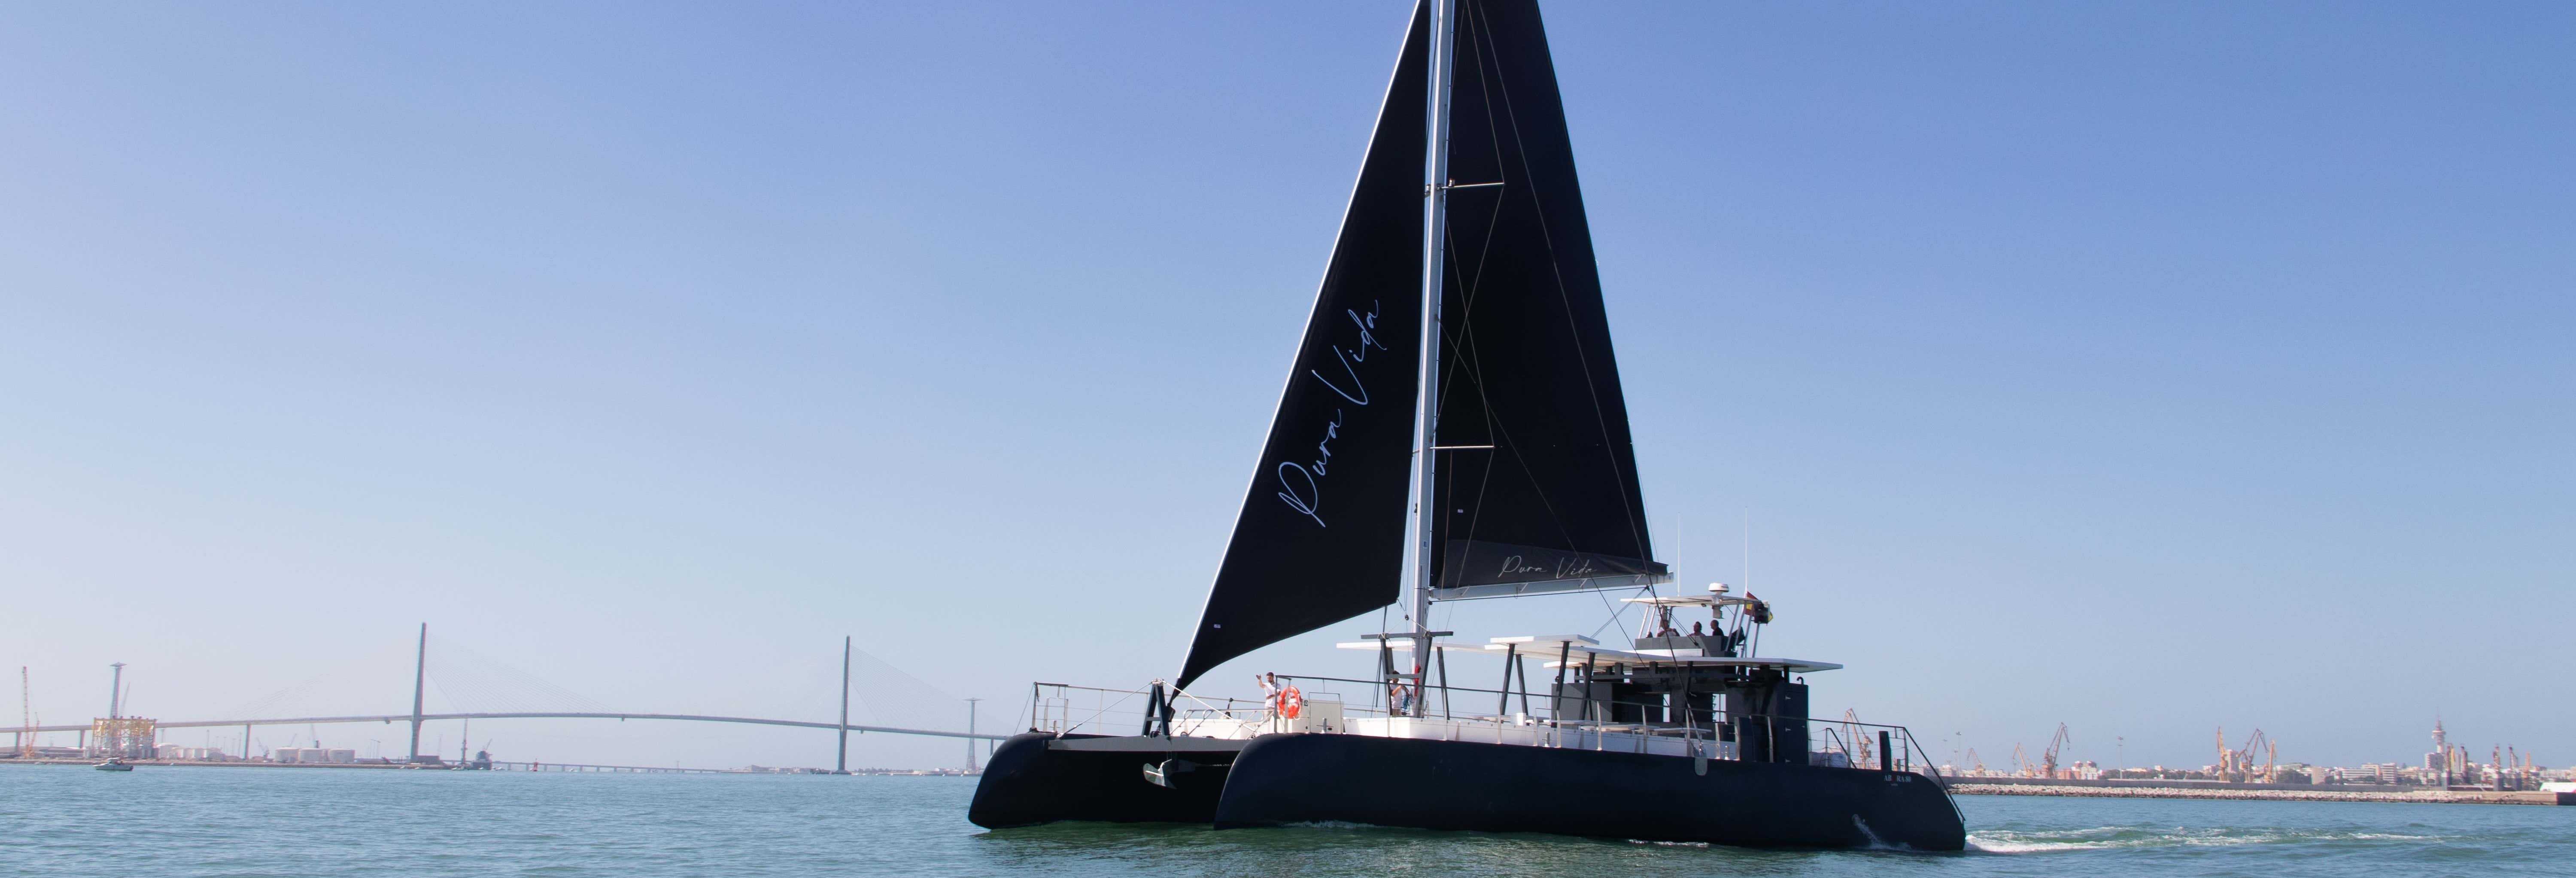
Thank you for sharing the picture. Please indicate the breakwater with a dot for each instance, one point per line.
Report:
(2264, 792)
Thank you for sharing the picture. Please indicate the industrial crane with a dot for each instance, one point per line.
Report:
(2048, 758)
(2238, 764)
(1861, 754)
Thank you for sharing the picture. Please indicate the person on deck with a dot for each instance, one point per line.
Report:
(1269, 690)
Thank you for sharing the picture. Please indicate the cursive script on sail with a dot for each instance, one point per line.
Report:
(1567, 567)
(1301, 483)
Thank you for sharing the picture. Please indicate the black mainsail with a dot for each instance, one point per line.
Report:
(1535, 486)
(1321, 535)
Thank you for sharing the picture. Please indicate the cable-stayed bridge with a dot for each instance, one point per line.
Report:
(433, 717)
(118, 735)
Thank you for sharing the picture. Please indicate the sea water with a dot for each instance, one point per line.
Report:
(157, 821)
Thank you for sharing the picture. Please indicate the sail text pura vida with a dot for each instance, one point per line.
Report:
(1301, 484)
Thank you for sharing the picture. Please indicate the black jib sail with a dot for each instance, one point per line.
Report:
(1321, 536)
(1526, 366)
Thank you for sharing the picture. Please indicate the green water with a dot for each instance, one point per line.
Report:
(158, 821)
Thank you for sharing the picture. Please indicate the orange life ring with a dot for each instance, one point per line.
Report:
(1291, 702)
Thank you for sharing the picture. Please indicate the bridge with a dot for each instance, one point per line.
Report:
(432, 717)
(116, 743)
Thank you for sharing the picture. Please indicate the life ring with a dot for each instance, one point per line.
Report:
(1291, 702)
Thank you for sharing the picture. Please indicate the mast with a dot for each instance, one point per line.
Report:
(1435, 191)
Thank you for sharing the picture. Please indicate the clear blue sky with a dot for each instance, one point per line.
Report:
(2146, 367)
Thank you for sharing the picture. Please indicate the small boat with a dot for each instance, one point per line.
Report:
(114, 765)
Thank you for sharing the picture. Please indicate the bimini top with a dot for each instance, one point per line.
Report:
(1580, 650)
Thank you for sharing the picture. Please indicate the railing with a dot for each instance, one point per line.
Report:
(1448, 709)
(1060, 709)
(1065, 709)
(1894, 750)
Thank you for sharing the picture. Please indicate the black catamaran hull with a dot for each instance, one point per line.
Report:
(1036, 778)
(1281, 780)
(1428, 784)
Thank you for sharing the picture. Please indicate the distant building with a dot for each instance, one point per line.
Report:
(313, 755)
(189, 754)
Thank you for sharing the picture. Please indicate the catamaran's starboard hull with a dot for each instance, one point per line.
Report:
(1278, 780)
(1036, 778)
(1430, 784)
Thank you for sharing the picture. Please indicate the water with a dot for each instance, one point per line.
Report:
(71, 821)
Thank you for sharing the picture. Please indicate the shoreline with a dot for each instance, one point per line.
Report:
(2444, 797)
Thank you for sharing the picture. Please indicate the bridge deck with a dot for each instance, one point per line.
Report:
(405, 717)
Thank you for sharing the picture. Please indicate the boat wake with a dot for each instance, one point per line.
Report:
(2004, 841)
(1875, 843)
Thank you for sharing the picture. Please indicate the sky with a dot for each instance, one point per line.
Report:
(2151, 368)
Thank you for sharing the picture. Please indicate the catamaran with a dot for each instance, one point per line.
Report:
(1459, 355)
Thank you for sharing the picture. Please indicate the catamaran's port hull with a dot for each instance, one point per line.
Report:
(1036, 778)
(1285, 779)
(1431, 784)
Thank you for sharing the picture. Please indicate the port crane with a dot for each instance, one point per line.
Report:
(2238, 764)
(2048, 758)
(1861, 748)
